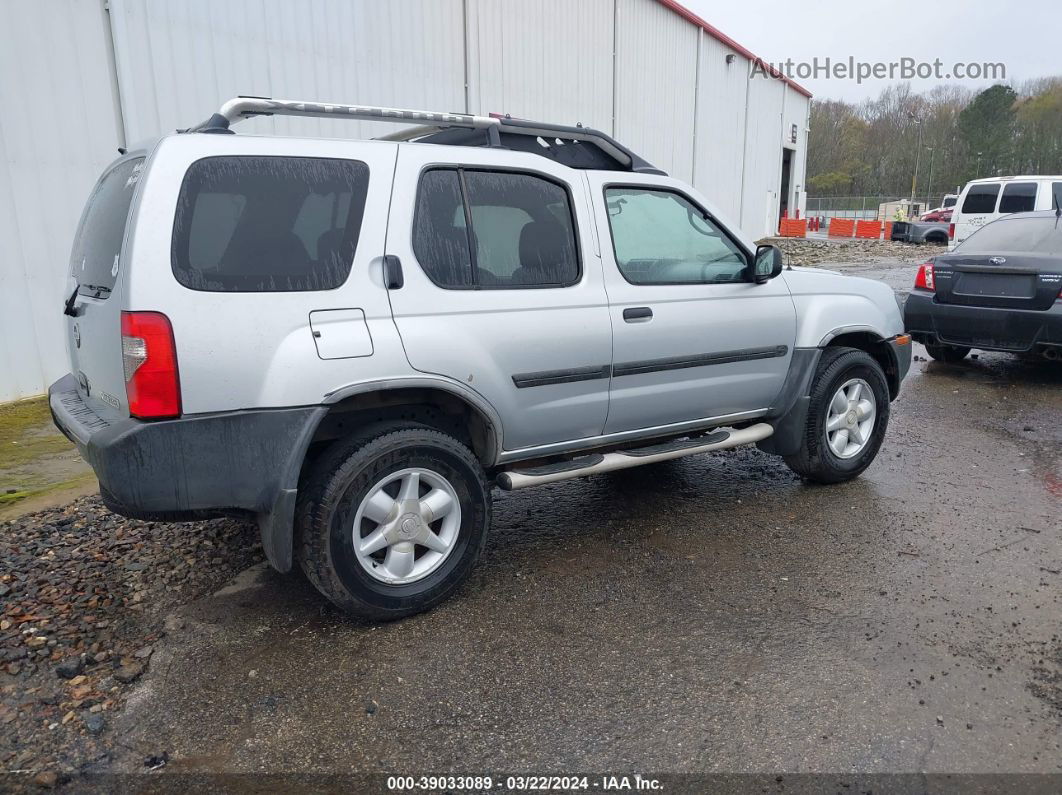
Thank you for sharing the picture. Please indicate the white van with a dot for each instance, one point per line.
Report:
(984, 200)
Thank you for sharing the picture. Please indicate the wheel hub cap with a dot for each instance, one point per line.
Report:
(850, 418)
(406, 526)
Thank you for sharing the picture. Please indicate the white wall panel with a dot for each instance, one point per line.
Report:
(549, 60)
(720, 141)
(763, 156)
(177, 62)
(656, 56)
(58, 129)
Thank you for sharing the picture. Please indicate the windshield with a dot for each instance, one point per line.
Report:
(94, 259)
(1041, 234)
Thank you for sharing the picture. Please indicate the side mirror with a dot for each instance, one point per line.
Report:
(768, 263)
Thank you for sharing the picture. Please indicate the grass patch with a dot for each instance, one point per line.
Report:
(27, 433)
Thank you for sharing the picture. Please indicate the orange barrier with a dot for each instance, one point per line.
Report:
(841, 227)
(792, 227)
(888, 230)
(870, 230)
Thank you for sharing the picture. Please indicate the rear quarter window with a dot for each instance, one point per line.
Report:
(94, 259)
(268, 224)
(981, 199)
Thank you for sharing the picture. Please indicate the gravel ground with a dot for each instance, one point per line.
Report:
(85, 598)
(809, 251)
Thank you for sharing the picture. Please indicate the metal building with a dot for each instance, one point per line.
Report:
(79, 78)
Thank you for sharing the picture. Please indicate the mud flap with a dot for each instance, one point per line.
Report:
(278, 527)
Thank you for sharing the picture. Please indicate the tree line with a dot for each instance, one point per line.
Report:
(869, 148)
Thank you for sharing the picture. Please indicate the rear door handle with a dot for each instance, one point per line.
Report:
(393, 277)
(635, 313)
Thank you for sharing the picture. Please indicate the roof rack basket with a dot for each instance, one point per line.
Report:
(568, 145)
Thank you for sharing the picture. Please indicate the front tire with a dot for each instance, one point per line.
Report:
(947, 353)
(392, 521)
(847, 417)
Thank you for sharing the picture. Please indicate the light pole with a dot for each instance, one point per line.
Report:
(918, 154)
(978, 171)
(929, 185)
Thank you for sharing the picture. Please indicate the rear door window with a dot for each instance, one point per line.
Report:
(479, 229)
(981, 199)
(94, 259)
(1018, 197)
(1056, 195)
(268, 224)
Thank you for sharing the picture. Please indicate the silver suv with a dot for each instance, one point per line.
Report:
(354, 340)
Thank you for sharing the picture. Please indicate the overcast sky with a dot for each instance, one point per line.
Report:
(1025, 36)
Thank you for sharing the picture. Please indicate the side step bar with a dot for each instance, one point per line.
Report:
(595, 463)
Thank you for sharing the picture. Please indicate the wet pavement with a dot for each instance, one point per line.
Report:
(707, 614)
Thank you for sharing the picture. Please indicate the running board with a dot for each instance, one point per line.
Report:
(609, 462)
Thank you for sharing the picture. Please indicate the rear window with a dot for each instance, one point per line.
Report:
(98, 243)
(1056, 195)
(268, 224)
(981, 199)
(1018, 197)
(948, 202)
(1042, 235)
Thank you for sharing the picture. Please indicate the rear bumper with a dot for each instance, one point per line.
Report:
(985, 328)
(242, 460)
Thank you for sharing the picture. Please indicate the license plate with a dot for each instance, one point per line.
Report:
(996, 285)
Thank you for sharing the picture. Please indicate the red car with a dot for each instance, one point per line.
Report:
(939, 214)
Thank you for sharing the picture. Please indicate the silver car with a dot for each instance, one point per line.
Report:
(355, 340)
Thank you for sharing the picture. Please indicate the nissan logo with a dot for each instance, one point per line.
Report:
(997, 260)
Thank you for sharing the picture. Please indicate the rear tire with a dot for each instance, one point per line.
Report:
(368, 537)
(847, 417)
(947, 353)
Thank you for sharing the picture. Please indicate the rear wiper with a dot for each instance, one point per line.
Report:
(69, 308)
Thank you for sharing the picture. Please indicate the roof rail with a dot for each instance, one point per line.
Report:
(436, 122)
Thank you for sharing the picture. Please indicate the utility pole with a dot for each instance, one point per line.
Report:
(918, 154)
(977, 173)
(929, 186)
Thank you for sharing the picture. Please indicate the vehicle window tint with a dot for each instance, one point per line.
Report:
(1056, 195)
(268, 224)
(1018, 197)
(94, 258)
(660, 237)
(948, 202)
(440, 238)
(981, 199)
(1039, 235)
(522, 232)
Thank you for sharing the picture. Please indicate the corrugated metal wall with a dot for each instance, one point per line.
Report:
(542, 59)
(658, 82)
(59, 127)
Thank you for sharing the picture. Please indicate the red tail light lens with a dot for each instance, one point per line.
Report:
(924, 279)
(149, 357)
(951, 231)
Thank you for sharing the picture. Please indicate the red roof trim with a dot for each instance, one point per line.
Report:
(715, 33)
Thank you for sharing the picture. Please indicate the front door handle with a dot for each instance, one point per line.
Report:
(636, 314)
(393, 277)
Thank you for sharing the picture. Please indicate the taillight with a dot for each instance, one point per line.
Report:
(149, 358)
(951, 231)
(924, 279)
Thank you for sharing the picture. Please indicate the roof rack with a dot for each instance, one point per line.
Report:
(577, 147)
